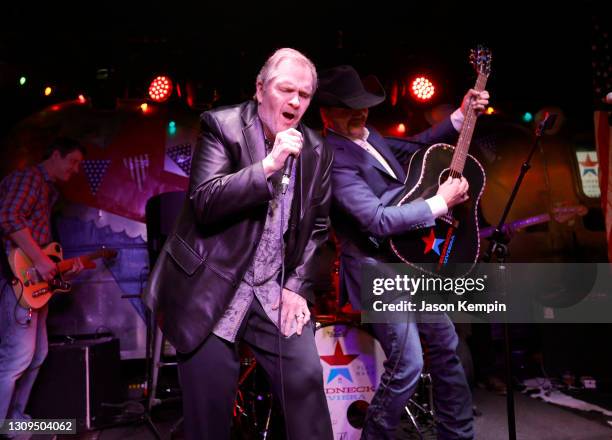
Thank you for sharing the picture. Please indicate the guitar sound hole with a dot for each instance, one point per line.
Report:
(444, 175)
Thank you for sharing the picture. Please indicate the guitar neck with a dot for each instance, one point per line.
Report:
(86, 261)
(518, 224)
(467, 131)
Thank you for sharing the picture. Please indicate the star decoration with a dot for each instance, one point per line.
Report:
(339, 358)
(589, 166)
(432, 243)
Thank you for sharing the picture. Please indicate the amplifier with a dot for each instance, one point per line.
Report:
(76, 380)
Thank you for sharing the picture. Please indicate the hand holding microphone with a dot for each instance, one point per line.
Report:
(287, 146)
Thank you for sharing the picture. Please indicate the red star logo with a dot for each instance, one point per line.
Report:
(339, 358)
(588, 162)
(432, 243)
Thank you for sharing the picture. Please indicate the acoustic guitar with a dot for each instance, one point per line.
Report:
(454, 238)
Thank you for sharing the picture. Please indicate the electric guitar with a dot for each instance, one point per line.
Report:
(34, 292)
(561, 214)
(454, 238)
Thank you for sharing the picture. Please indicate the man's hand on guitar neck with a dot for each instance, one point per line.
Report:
(454, 191)
(76, 268)
(478, 101)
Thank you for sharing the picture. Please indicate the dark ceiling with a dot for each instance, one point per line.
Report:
(541, 52)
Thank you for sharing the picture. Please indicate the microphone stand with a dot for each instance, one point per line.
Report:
(498, 250)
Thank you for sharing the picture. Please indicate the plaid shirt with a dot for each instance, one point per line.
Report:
(26, 198)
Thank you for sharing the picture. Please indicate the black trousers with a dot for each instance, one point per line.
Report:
(209, 380)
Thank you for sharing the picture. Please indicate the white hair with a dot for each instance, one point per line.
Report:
(269, 68)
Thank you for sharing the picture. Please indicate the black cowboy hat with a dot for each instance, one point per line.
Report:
(341, 86)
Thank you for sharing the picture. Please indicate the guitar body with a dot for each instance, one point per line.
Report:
(455, 236)
(34, 292)
(31, 290)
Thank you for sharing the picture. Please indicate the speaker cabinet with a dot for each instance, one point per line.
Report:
(75, 382)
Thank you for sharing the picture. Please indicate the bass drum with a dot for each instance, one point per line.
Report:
(352, 362)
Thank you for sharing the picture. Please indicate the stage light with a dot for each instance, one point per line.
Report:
(394, 93)
(422, 88)
(490, 110)
(22, 80)
(171, 128)
(527, 117)
(160, 89)
(82, 99)
(400, 128)
(48, 91)
(144, 107)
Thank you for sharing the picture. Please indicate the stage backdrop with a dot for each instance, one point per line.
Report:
(132, 156)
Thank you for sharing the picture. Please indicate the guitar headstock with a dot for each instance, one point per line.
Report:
(108, 254)
(480, 59)
(563, 214)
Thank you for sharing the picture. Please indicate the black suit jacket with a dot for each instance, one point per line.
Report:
(363, 190)
(220, 225)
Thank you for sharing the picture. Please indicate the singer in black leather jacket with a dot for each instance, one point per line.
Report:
(204, 262)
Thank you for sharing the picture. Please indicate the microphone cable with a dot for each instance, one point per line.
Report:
(280, 308)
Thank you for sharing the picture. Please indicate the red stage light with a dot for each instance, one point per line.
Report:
(394, 93)
(422, 88)
(160, 89)
(400, 128)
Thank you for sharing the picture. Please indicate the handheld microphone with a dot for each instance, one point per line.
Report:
(287, 173)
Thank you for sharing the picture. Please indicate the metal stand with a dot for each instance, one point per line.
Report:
(143, 413)
(245, 406)
(155, 364)
(498, 251)
(424, 409)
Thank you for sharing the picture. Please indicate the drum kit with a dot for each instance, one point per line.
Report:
(352, 363)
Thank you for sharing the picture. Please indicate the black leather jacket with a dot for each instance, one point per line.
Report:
(220, 225)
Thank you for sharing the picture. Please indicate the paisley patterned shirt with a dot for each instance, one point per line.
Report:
(261, 279)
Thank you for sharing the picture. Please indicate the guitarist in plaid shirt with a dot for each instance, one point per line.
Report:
(26, 199)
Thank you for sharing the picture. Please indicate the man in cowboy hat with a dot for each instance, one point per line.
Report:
(367, 174)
